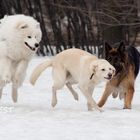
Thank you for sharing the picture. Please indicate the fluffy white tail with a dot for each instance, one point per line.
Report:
(38, 70)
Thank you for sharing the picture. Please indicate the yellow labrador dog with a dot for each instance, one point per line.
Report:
(75, 66)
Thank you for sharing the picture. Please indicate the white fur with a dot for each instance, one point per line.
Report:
(14, 53)
(74, 66)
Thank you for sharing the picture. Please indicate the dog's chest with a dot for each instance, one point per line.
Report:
(19, 54)
(119, 89)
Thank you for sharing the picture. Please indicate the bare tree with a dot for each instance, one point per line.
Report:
(84, 24)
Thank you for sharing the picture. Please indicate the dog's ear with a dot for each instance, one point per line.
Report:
(92, 69)
(38, 25)
(4, 18)
(107, 47)
(21, 25)
(121, 47)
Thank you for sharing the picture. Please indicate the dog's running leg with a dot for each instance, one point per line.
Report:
(90, 89)
(1, 88)
(54, 97)
(0, 93)
(128, 98)
(74, 93)
(18, 78)
(90, 101)
(59, 78)
(6, 66)
(14, 93)
(107, 92)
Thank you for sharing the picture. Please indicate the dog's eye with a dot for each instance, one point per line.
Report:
(29, 36)
(103, 69)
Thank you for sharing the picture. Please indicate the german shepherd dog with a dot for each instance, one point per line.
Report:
(126, 61)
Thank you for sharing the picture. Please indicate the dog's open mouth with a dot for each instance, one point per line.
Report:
(108, 78)
(31, 48)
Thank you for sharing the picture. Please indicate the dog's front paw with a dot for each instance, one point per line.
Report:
(127, 107)
(100, 109)
(92, 106)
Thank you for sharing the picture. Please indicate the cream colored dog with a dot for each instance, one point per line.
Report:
(75, 66)
(19, 40)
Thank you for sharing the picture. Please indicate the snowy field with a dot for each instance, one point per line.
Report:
(33, 118)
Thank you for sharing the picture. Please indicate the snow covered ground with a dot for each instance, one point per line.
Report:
(33, 118)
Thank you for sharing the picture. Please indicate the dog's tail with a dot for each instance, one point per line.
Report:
(134, 58)
(38, 70)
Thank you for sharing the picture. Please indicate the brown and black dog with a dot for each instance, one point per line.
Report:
(126, 61)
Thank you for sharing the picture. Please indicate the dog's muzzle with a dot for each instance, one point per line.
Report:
(109, 76)
(32, 48)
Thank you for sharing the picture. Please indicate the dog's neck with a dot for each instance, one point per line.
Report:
(94, 79)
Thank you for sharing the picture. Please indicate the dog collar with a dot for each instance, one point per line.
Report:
(91, 76)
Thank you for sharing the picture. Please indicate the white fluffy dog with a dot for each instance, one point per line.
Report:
(75, 66)
(19, 39)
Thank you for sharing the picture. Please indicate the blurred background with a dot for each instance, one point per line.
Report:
(84, 24)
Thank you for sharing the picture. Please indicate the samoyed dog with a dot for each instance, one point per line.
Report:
(19, 40)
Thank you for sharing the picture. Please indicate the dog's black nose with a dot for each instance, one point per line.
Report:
(36, 45)
(110, 75)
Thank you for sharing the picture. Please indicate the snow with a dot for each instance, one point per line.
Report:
(33, 118)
